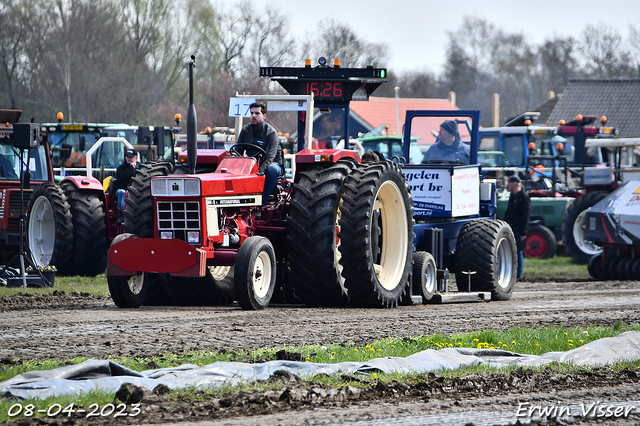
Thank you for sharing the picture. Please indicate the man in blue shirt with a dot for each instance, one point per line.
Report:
(448, 147)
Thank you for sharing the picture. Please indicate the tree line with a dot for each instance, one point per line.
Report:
(124, 60)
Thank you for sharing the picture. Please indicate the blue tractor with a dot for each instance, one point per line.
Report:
(454, 213)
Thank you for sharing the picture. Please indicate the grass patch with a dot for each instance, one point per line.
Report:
(91, 285)
(556, 268)
(522, 340)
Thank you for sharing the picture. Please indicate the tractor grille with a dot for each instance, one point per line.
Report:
(178, 217)
(14, 203)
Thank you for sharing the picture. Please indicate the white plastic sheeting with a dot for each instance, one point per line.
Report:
(108, 376)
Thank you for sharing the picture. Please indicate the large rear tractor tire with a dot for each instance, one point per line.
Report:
(255, 277)
(313, 236)
(49, 228)
(139, 212)
(90, 234)
(574, 225)
(488, 248)
(376, 234)
(540, 243)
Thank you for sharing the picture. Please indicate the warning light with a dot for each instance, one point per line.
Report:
(60, 117)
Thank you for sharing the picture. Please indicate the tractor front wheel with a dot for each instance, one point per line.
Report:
(255, 273)
(540, 243)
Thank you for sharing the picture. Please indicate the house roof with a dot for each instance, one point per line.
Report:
(378, 111)
(618, 99)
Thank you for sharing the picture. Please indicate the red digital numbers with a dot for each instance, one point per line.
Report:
(324, 89)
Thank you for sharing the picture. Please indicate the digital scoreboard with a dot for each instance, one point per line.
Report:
(329, 85)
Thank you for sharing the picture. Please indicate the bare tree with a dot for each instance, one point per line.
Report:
(336, 40)
(604, 53)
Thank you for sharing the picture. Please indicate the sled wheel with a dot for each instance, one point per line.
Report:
(540, 243)
(597, 267)
(488, 247)
(49, 228)
(255, 273)
(574, 225)
(377, 209)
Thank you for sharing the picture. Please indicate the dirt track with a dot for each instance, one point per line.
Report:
(64, 326)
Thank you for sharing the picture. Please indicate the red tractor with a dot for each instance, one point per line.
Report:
(205, 239)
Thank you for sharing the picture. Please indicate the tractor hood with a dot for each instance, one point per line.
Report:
(234, 176)
(616, 219)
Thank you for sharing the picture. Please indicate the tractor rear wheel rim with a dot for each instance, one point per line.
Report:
(392, 209)
(504, 263)
(42, 233)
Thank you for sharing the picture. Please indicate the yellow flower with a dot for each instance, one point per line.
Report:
(393, 346)
(513, 342)
(475, 340)
(375, 375)
(356, 349)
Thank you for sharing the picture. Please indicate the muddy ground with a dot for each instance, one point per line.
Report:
(68, 325)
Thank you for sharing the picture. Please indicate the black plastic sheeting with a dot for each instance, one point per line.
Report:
(108, 376)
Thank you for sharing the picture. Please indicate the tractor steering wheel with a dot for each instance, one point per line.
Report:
(248, 149)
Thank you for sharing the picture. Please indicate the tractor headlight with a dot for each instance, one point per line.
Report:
(166, 235)
(193, 237)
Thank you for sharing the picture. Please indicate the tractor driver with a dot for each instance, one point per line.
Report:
(448, 147)
(262, 134)
(124, 173)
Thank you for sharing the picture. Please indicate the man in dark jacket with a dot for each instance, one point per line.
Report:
(448, 147)
(262, 134)
(517, 215)
(124, 173)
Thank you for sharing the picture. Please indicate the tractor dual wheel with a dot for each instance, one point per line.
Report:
(376, 235)
(255, 278)
(90, 234)
(313, 235)
(49, 227)
(540, 243)
(574, 224)
(488, 248)
(139, 212)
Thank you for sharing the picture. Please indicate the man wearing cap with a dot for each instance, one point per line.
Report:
(517, 215)
(124, 173)
(262, 134)
(448, 147)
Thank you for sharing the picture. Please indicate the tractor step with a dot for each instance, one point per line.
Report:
(480, 296)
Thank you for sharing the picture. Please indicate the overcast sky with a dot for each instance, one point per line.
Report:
(416, 30)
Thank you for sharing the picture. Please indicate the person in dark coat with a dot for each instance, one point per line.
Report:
(262, 134)
(517, 215)
(124, 173)
(448, 147)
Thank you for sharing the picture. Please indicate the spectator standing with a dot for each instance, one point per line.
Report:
(517, 215)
